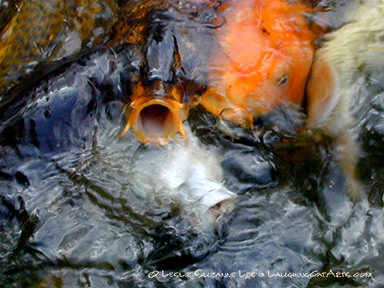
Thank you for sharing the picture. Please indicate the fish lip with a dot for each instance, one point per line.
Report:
(223, 207)
(155, 120)
(210, 207)
(238, 115)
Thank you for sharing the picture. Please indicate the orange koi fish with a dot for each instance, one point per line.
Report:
(262, 59)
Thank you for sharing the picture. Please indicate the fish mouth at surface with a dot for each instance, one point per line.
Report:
(155, 120)
(210, 207)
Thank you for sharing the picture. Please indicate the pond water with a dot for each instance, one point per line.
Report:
(71, 212)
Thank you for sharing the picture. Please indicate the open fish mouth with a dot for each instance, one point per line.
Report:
(155, 120)
(215, 204)
(205, 199)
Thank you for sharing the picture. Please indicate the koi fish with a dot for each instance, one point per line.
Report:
(186, 174)
(155, 115)
(344, 78)
(262, 60)
(37, 31)
(171, 58)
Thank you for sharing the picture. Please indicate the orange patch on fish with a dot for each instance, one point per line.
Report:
(262, 60)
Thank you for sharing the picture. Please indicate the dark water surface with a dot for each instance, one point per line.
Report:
(71, 216)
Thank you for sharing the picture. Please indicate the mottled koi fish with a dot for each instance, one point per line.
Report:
(171, 40)
(346, 76)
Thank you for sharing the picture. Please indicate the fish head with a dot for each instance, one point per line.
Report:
(207, 203)
(195, 176)
(262, 60)
(184, 177)
(154, 118)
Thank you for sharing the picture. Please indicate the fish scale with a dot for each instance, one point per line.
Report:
(27, 41)
(133, 21)
(54, 23)
(7, 11)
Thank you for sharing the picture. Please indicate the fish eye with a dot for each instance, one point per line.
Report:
(283, 80)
